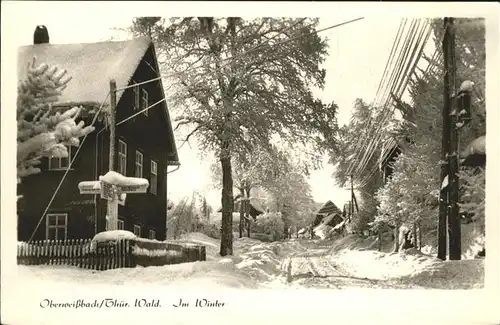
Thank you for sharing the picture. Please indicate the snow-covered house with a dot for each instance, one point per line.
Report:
(256, 208)
(145, 145)
(327, 215)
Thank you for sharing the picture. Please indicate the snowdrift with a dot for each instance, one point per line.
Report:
(473, 241)
(113, 235)
(358, 257)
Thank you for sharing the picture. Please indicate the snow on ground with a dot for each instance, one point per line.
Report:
(347, 262)
(354, 256)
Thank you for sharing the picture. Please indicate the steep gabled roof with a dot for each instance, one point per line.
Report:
(328, 208)
(91, 66)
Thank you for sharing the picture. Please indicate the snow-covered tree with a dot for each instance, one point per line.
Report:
(231, 72)
(474, 194)
(271, 224)
(290, 195)
(353, 142)
(43, 130)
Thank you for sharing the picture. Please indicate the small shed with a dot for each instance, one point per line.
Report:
(255, 208)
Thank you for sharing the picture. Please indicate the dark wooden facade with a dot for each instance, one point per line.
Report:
(149, 134)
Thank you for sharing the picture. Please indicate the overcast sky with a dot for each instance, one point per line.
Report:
(358, 54)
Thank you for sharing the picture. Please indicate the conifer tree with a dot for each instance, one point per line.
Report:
(42, 129)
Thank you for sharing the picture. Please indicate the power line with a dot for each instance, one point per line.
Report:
(422, 40)
(395, 44)
(375, 167)
(141, 111)
(363, 139)
(402, 90)
(399, 88)
(391, 81)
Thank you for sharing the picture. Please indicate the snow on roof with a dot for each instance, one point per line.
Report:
(91, 66)
(256, 205)
(118, 179)
(340, 225)
(476, 147)
(90, 184)
(328, 208)
(386, 150)
(327, 219)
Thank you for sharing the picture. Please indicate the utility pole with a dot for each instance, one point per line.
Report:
(454, 223)
(112, 207)
(108, 186)
(445, 148)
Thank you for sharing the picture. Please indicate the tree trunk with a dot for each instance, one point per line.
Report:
(247, 211)
(415, 244)
(249, 226)
(285, 226)
(396, 239)
(419, 237)
(242, 212)
(379, 240)
(226, 241)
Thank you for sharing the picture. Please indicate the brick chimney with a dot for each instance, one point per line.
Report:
(41, 35)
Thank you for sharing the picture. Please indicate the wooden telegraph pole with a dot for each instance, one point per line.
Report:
(112, 207)
(445, 148)
(112, 185)
(454, 223)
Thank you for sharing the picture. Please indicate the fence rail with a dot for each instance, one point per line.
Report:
(85, 253)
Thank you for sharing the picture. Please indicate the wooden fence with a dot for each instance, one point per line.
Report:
(107, 255)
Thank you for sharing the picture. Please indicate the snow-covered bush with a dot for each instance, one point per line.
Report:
(110, 236)
(473, 196)
(209, 229)
(271, 224)
(408, 196)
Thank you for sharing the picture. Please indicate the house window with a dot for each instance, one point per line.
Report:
(122, 157)
(152, 234)
(154, 177)
(57, 226)
(137, 230)
(144, 100)
(139, 158)
(137, 98)
(56, 163)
